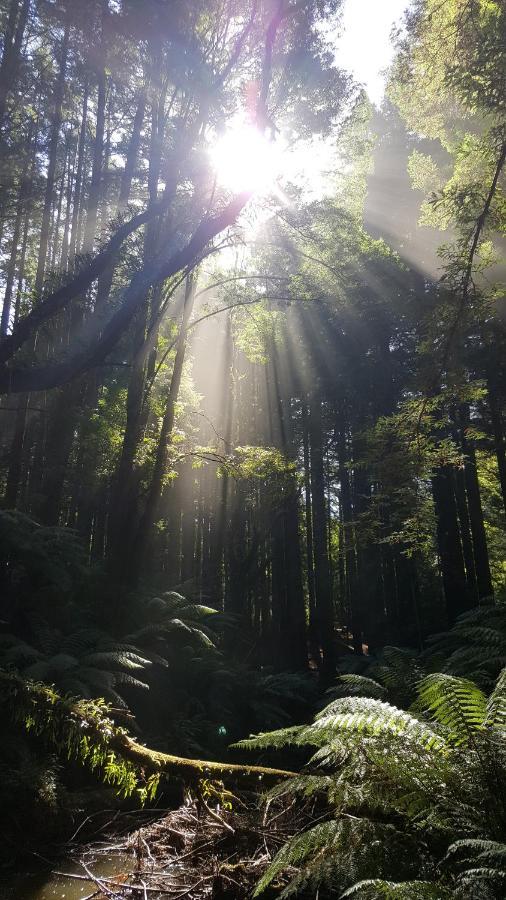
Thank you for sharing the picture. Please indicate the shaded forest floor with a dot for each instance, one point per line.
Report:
(192, 852)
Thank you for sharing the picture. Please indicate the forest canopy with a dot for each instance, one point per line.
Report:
(253, 433)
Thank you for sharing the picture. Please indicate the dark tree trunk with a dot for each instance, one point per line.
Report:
(450, 549)
(13, 39)
(324, 609)
(78, 184)
(481, 560)
(499, 436)
(52, 153)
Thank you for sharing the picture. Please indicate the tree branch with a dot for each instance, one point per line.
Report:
(54, 375)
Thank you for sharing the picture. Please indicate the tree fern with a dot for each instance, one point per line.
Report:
(438, 777)
(87, 663)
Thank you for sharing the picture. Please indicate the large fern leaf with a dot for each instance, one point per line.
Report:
(368, 716)
(455, 703)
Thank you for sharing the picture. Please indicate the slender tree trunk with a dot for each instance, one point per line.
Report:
(347, 551)
(13, 39)
(59, 92)
(450, 549)
(314, 648)
(78, 185)
(499, 436)
(481, 560)
(324, 610)
(155, 488)
(16, 454)
(90, 229)
(11, 267)
(459, 486)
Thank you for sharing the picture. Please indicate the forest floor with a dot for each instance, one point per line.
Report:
(193, 852)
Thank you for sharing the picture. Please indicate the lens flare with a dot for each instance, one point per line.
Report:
(246, 160)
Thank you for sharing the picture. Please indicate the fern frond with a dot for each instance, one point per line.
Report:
(483, 634)
(377, 889)
(301, 785)
(126, 659)
(326, 836)
(496, 705)
(456, 703)
(126, 678)
(352, 685)
(477, 850)
(283, 737)
(368, 716)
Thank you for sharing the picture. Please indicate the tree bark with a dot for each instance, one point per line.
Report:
(324, 609)
(52, 153)
(449, 546)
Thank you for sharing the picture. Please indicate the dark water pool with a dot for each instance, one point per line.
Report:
(47, 886)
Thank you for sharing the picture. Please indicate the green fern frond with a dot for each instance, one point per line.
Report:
(479, 874)
(377, 889)
(352, 685)
(482, 634)
(455, 703)
(301, 785)
(477, 850)
(283, 737)
(126, 659)
(496, 705)
(324, 837)
(130, 680)
(368, 716)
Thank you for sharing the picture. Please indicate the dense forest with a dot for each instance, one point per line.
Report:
(252, 452)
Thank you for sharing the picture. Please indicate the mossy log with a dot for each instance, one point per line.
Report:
(85, 731)
(153, 762)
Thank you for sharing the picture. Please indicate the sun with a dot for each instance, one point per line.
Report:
(244, 159)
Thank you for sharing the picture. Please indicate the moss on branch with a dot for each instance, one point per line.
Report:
(83, 730)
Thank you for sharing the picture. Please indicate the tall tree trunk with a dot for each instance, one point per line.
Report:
(347, 551)
(52, 153)
(499, 436)
(90, 229)
(11, 267)
(148, 517)
(459, 486)
(324, 610)
(481, 560)
(78, 184)
(13, 39)
(314, 648)
(449, 546)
